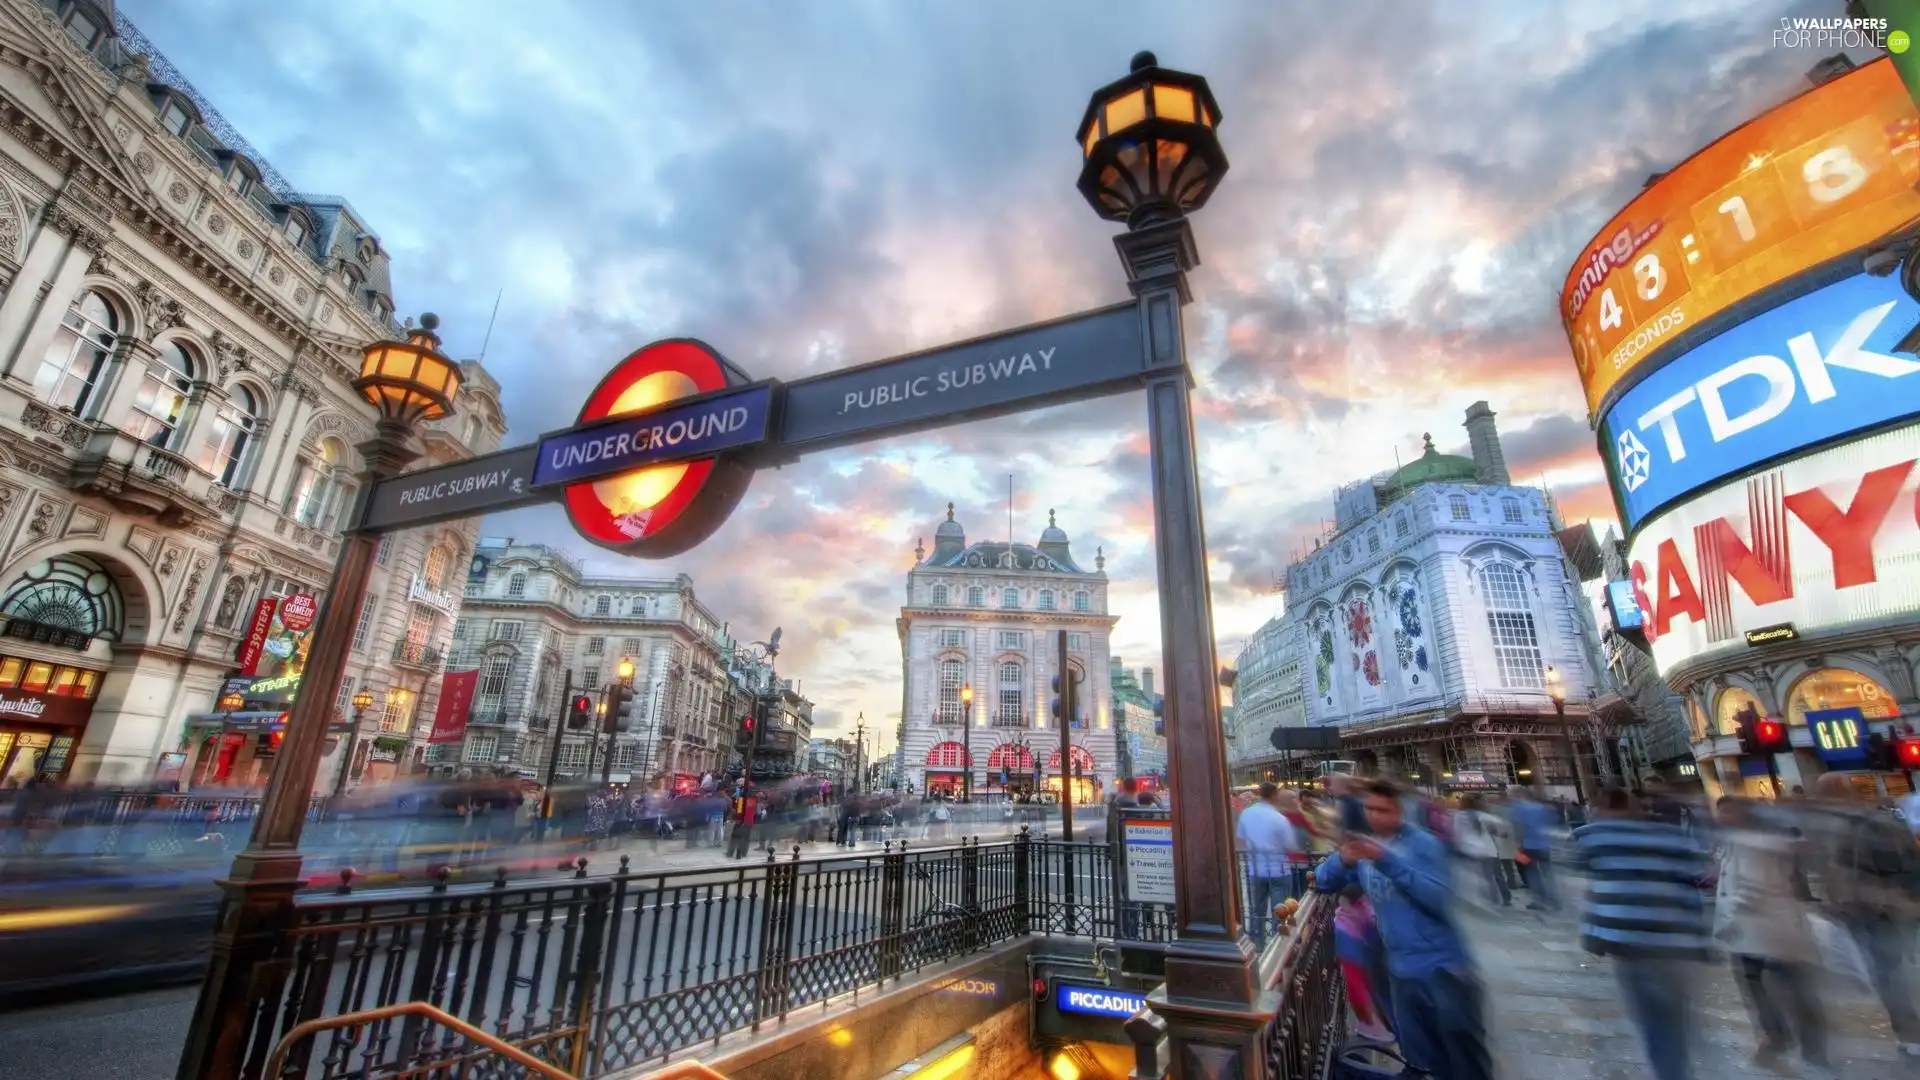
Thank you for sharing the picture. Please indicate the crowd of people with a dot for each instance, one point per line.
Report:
(1787, 893)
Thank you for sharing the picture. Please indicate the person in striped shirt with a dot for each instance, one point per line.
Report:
(1644, 909)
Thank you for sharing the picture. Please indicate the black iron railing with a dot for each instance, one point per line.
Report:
(598, 975)
(1312, 1022)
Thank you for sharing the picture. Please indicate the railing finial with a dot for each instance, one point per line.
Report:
(580, 867)
(499, 877)
(346, 881)
(441, 875)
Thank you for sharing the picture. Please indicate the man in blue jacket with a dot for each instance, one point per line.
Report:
(1438, 1006)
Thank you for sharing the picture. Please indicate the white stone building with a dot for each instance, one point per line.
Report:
(535, 625)
(1432, 618)
(179, 328)
(986, 615)
(1269, 691)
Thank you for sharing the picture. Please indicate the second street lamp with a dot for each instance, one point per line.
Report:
(408, 382)
(362, 701)
(966, 736)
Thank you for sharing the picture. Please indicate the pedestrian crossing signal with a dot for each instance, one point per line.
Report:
(580, 712)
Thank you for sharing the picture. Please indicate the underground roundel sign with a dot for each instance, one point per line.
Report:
(659, 510)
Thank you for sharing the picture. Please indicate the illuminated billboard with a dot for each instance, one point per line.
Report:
(1812, 179)
(1823, 541)
(1807, 372)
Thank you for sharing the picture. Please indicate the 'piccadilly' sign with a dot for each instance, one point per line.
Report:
(1829, 539)
(1814, 369)
(665, 445)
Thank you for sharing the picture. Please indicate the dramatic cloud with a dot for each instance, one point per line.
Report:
(811, 185)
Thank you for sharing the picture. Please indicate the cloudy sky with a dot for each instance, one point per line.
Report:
(811, 185)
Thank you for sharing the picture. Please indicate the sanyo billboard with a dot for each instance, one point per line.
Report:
(1824, 541)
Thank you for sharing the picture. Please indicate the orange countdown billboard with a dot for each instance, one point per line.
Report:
(1812, 179)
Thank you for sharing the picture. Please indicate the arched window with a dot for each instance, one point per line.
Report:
(67, 592)
(517, 586)
(976, 596)
(1839, 688)
(952, 674)
(1516, 645)
(1732, 702)
(939, 596)
(1012, 696)
(1009, 598)
(1082, 601)
(1013, 757)
(1046, 599)
(1082, 760)
(70, 370)
(321, 487)
(162, 400)
(947, 755)
(232, 433)
(435, 570)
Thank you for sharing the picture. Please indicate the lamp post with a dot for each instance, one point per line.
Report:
(1151, 156)
(408, 382)
(966, 736)
(362, 701)
(860, 754)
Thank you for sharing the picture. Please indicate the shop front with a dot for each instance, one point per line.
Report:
(947, 765)
(1084, 784)
(44, 709)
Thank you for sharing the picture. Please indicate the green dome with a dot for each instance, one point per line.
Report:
(1434, 466)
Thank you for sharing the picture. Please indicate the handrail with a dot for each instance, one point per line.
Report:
(685, 1070)
(412, 1008)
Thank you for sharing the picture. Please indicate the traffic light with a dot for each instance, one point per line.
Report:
(743, 736)
(1067, 702)
(1906, 752)
(1879, 752)
(1745, 722)
(1770, 736)
(622, 707)
(580, 712)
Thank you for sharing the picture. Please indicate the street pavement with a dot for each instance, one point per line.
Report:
(132, 1037)
(1556, 1014)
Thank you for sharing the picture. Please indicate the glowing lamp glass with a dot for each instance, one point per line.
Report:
(232, 703)
(409, 381)
(362, 701)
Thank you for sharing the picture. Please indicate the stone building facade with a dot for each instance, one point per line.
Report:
(1439, 616)
(986, 615)
(536, 628)
(179, 328)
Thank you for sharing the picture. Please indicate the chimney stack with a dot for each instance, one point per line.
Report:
(1146, 681)
(1490, 465)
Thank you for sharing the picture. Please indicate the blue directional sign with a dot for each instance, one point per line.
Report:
(1097, 1000)
(704, 427)
(1815, 368)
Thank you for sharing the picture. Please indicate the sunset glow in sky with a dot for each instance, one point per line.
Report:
(806, 186)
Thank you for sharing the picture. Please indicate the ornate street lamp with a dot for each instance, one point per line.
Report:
(966, 736)
(1149, 147)
(1151, 155)
(408, 382)
(362, 701)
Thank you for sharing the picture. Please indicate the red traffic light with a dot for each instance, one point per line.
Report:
(276, 738)
(1771, 735)
(1906, 753)
(582, 704)
(1039, 988)
(746, 723)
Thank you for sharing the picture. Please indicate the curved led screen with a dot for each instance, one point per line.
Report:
(1811, 370)
(1812, 179)
(1824, 541)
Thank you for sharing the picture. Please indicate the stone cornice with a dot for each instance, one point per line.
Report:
(1022, 617)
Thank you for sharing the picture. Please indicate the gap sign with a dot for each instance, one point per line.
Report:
(1811, 370)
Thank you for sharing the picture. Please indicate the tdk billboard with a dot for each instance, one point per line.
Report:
(1813, 369)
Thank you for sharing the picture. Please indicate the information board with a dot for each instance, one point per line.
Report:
(1149, 859)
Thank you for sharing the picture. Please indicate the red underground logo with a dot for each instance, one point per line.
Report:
(662, 509)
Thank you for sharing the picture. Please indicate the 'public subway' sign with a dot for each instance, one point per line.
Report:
(666, 444)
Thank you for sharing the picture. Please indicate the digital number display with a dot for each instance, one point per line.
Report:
(1813, 179)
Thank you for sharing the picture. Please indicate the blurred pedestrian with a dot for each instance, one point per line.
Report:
(1478, 837)
(1349, 808)
(1535, 821)
(1870, 880)
(1356, 941)
(1268, 842)
(1760, 919)
(1438, 1007)
(1300, 856)
(1644, 910)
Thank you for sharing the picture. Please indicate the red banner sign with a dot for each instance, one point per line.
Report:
(297, 612)
(257, 629)
(456, 697)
